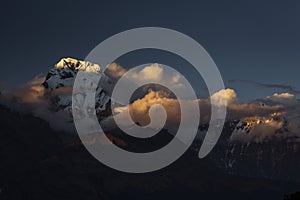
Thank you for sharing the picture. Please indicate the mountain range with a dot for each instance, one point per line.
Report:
(39, 163)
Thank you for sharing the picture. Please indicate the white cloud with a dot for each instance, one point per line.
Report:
(31, 98)
(153, 72)
(284, 98)
(157, 73)
(224, 97)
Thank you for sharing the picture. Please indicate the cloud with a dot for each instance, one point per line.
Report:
(287, 88)
(114, 71)
(32, 98)
(224, 97)
(153, 72)
(283, 98)
(282, 119)
(260, 132)
(156, 73)
(31, 92)
(139, 109)
(240, 111)
(277, 119)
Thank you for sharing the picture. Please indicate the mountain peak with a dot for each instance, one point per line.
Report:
(60, 79)
(75, 64)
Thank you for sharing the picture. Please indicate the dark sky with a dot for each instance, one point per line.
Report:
(248, 40)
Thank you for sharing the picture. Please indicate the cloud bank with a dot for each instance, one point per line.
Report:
(32, 97)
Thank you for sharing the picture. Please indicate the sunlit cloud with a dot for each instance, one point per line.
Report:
(35, 99)
(224, 97)
(284, 98)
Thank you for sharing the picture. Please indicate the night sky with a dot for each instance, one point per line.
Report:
(249, 40)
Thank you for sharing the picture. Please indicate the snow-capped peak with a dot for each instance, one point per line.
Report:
(75, 64)
(59, 83)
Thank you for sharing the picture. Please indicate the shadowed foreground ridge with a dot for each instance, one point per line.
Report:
(36, 165)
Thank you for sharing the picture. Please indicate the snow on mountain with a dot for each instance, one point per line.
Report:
(253, 146)
(60, 79)
(259, 147)
(258, 129)
(64, 72)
